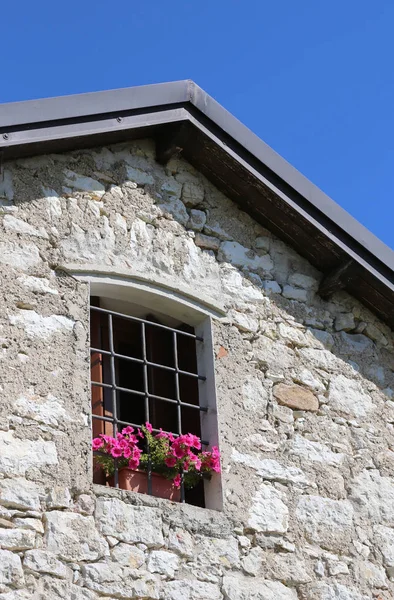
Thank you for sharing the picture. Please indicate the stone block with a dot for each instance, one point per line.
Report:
(384, 540)
(373, 496)
(39, 326)
(293, 293)
(240, 256)
(345, 322)
(17, 539)
(254, 396)
(18, 455)
(197, 219)
(326, 522)
(268, 512)
(43, 561)
(127, 523)
(111, 579)
(347, 396)
(207, 242)
(11, 572)
(14, 225)
(190, 589)
(21, 494)
(73, 537)
(19, 256)
(332, 591)
(83, 184)
(238, 587)
(314, 452)
(165, 563)
(295, 397)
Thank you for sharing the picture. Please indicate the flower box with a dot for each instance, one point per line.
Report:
(137, 481)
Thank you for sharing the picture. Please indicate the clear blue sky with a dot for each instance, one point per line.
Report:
(314, 79)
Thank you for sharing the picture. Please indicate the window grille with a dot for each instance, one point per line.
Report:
(112, 389)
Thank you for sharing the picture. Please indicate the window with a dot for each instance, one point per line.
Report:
(145, 367)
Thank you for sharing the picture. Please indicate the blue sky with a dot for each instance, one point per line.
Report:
(313, 79)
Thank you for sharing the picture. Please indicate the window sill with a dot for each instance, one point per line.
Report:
(193, 518)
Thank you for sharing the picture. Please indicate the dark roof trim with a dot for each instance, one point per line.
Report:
(44, 125)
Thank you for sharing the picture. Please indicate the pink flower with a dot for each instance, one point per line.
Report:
(140, 434)
(170, 461)
(148, 427)
(177, 481)
(97, 443)
(127, 452)
(116, 451)
(133, 463)
(161, 435)
(127, 430)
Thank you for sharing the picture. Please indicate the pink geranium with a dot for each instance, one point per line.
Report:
(178, 457)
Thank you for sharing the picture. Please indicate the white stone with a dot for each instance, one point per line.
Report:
(292, 334)
(18, 455)
(333, 591)
(355, 344)
(271, 469)
(197, 219)
(117, 581)
(29, 523)
(303, 281)
(234, 284)
(11, 572)
(262, 243)
(321, 359)
(39, 326)
(129, 523)
(53, 203)
(238, 255)
(322, 338)
(345, 322)
(326, 522)
(139, 176)
(244, 322)
(83, 184)
(15, 225)
(58, 497)
(293, 293)
(291, 570)
(217, 551)
(21, 257)
(17, 539)
(128, 556)
(172, 187)
(6, 186)
(180, 541)
(40, 285)
(192, 194)
(373, 496)
(43, 561)
(314, 452)
(384, 539)
(20, 493)
(268, 512)
(238, 587)
(254, 396)
(272, 287)
(176, 208)
(73, 537)
(367, 573)
(347, 396)
(165, 563)
(252, 562)
(375, 334)
(309, 380)
(190, 589)
(43, 410)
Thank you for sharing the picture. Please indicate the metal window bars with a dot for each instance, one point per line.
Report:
(114, 420)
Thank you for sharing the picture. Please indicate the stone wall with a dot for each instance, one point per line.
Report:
(304, 392)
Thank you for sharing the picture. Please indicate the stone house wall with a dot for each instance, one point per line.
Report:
(304, 394)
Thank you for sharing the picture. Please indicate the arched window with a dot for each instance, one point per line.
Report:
(152, 362)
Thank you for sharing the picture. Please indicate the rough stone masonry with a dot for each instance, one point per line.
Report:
(304, 392)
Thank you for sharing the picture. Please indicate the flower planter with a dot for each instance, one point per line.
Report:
(137, 481)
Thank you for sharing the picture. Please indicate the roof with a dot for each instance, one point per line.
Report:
(182, 118)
